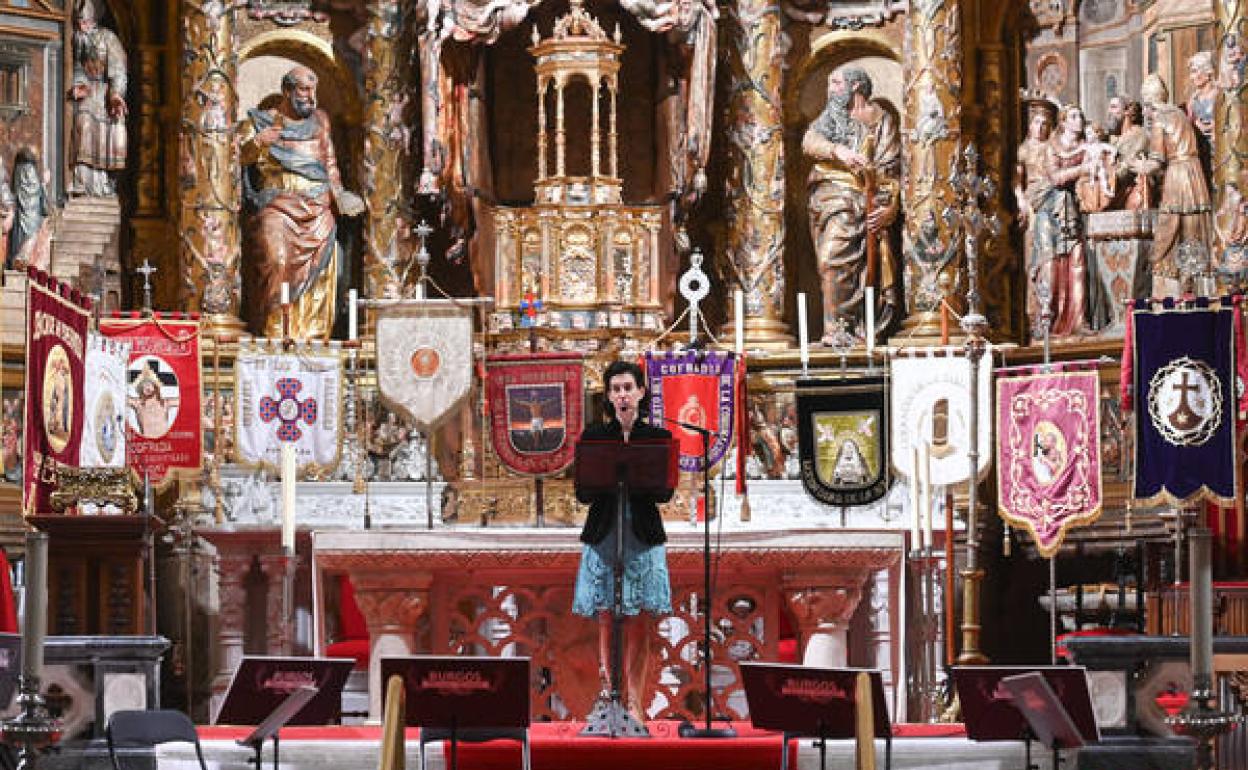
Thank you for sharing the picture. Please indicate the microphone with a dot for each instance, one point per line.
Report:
(691, 427)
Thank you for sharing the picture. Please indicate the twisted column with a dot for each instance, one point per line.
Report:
(1230, 143)
(933, 121)
(383, 148)
(208, 228)
(756, 186)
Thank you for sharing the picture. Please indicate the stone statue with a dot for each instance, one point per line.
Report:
(30, 240)
(1184, 210)
(1201, 104)
(1125, 123)
(98, 92)
(1031, 186)
(1058, 266)
(291, 185)
(8, 208)
(853, 194)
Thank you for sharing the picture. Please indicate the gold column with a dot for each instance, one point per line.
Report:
(1230, 140)
(996, 267)
(208, 228)
(933, 121)
(383, 150)
(561, 132)
(542, 141)
(756, 188)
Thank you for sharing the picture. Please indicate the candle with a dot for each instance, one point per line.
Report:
(285, 293)
(35, 608)
(927, 496)
(353, 327)
(870, 320)
(1202, 609)
(738, 303)
(288, 496)
(801, 328)
(915, 507)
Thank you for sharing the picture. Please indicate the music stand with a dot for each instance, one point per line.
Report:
(273, 724)
(262, 683)
(461, 698)
(647, 467)
(990, 713)
(1047, 719)
(819, 703)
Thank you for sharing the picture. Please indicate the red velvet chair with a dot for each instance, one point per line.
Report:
(352, 640)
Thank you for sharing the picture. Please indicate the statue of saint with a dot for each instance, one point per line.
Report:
(30, 240)
(854, 191)
(1031, 185)
(1184, 212)
(98, 92)
(292, 186)
(1203, 102)
(1125, 123)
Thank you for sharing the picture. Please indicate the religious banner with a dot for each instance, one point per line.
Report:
(164, 399)
(842, 439)
(536, 404)
(1184, 382)
(696, 388)
(104, 412)
(293, 397)
(57, 319)
(425, 372)
(931, 407)
(1049, 450)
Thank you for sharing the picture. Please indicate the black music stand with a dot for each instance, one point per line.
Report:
(990, 711)
(460, 698)
(803, 702)
(273, 724)
(613, 467)
(1048, 721)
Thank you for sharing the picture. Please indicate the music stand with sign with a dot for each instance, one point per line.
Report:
(271, 692)
(991, 712)
(818, 703)
(649, 467)
(1047, 719)
(461, 698)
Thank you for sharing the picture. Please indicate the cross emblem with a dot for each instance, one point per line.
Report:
(1184, 417)
(146, 271)
(529, 307)
(288, 410)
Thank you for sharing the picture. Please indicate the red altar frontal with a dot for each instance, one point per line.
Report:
(496, 592)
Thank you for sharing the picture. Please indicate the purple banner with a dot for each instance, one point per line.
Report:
(696, 388)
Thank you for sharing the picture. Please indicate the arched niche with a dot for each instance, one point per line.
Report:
(265, 58)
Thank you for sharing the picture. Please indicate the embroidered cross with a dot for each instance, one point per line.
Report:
(1183, 416)
(288, 409)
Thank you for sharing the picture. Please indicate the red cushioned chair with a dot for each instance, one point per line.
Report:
(786, 646)
(352, 629)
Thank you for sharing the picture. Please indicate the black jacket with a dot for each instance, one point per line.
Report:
(647, 524)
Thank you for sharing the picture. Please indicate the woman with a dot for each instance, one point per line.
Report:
(1057, 257)
(646, 582)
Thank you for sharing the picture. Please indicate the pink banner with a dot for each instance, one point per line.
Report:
(1049, 453)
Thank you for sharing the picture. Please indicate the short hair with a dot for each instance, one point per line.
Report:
(1153, 90)
(1201, 60)
(857, 79)
(290, 80)
(616, 368)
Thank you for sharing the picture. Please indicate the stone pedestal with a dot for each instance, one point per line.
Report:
(1119, 245)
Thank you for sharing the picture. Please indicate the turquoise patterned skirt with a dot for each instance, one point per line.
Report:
(647, 585)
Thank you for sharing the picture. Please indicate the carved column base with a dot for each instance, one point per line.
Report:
(823, 606)
(765, 334)
(224, 326)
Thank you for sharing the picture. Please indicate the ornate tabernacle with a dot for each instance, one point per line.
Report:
(97, 488)
(589, 259)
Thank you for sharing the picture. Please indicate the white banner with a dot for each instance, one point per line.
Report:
(424, 359)
(289, 396)
(931, 404)
(104, 421)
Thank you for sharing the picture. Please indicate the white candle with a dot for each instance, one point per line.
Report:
(801, 327)
(738, 303)
(353, 327)
(925, 474)
(285, 293)
(915, 506)
(288, 496)
(870, 320)
(35, 608)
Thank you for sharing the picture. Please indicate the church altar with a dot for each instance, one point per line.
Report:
(509, 592)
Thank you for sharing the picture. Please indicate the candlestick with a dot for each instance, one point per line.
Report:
(927, 495)
(803, 339)
(35, 609)
(870, 320)
(288, 497)
(916, 542)
(285, 293)
(738, 303)
(353, 327)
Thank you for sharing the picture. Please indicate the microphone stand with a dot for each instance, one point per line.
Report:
(687, 728)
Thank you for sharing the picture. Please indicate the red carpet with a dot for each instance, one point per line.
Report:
(557, 746)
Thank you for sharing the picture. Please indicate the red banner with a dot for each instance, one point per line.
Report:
(57, 318)
(164, 402)
(536, 410)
